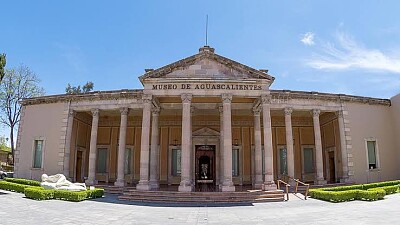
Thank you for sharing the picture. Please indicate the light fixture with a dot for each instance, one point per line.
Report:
(236, 142)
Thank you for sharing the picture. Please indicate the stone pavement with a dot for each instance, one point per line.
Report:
(15, 209)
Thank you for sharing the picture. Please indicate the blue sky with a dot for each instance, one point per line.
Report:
(349, 47)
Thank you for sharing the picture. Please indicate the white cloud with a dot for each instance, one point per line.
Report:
(351, 55)
(308, 38)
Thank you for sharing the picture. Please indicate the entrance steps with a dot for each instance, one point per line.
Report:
(110, 189)
(202, 197)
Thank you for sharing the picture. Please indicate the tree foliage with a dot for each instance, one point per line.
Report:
(18, 83)
(77, 89)
(2, 65)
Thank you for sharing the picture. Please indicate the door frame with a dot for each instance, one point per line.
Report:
(327, 165)
(196, 161)
(83, 150)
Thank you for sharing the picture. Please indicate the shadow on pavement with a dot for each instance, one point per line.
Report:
(113, 199)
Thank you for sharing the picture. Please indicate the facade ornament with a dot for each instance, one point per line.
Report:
(71, 113)
(226, 98)
(147, 98)
(124, 110)
(316, 112)
(186, 98)
(95, 112)
(266, 99)
(256, 111)
(155, 111)
(288, 111)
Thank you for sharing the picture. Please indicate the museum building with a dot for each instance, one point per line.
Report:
(207, 119)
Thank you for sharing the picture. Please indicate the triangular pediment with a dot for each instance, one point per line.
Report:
(205, 132)
(207, 65)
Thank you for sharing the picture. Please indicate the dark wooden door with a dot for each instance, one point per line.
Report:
(205, 167)
(79, 166)
(332, 175)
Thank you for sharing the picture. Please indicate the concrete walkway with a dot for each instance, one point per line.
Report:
(15, 209)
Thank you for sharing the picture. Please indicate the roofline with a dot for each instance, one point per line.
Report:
(129, 93)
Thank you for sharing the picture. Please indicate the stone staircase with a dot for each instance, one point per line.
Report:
(201, 197)
(110, 189)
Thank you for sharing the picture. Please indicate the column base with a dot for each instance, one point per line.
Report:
(258, 185)
(154, 185)
(186, 186)
(143, 185)
(90, 181)
(228, 188)
(320, 182)
(119, 183)
(269, 186)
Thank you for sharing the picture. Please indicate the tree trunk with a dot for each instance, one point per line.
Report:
(12, 143)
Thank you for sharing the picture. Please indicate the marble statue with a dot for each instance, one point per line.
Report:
(59, 182)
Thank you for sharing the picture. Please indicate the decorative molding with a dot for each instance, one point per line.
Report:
(339, 113)
(71, 113)
(288, 111)
(155, 111)
(95, 112)
(147, 98)
(226, 98)
(266, 99)
(124, 111)
(186, 98)
(316, 112)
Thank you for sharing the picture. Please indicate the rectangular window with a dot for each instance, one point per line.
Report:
(102, 160)
(176, 162)
(127, 161)
(371, 147)
(283, 161)
(235, 162)
(308, 157)
(38, 152)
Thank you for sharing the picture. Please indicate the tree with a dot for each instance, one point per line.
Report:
(77, 90)
(18, 83)
(2, 65)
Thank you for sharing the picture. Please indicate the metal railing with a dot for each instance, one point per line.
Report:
(286, 187)
(304, 184)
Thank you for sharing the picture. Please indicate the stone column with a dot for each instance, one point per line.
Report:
(318, 148)
(143, 184)
(93, 148)
(67, 149)
(121, 148)
(269, 183)
(154, 152)
(343, 148)
(289, 142)
(257, 150)
(221, 147)
(186, 184)
(227, 126)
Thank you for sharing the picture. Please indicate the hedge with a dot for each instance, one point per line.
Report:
(366, 192)
(39, 193)
(23, 181)
(13, 186)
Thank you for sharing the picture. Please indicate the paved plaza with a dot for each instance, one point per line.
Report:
(15, 209)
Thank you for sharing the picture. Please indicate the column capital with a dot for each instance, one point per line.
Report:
(316, 112)
(288, 111)
(155, 111)
(226, 98)
(124, 111)
(256, 111)
(339, 113)
(71, 113)
(147, 98)
(186, 98)
(266, 99)
(95, 112)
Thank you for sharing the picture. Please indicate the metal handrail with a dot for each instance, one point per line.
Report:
(304, 184)
(286, 186)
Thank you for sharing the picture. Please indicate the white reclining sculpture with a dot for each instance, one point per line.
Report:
(59, 182)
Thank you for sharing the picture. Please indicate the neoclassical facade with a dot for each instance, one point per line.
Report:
(208, 120)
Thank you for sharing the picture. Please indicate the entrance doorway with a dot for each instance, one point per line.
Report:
(79, 162)
(331, 165)
(205, 168)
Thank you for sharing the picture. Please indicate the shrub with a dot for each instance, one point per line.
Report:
(96, 193)
(371, 194)
(13, 186)
(388, 189)
(74, 196)
(23, 181)
(334, 196)
(38, 193)
(381, 184)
